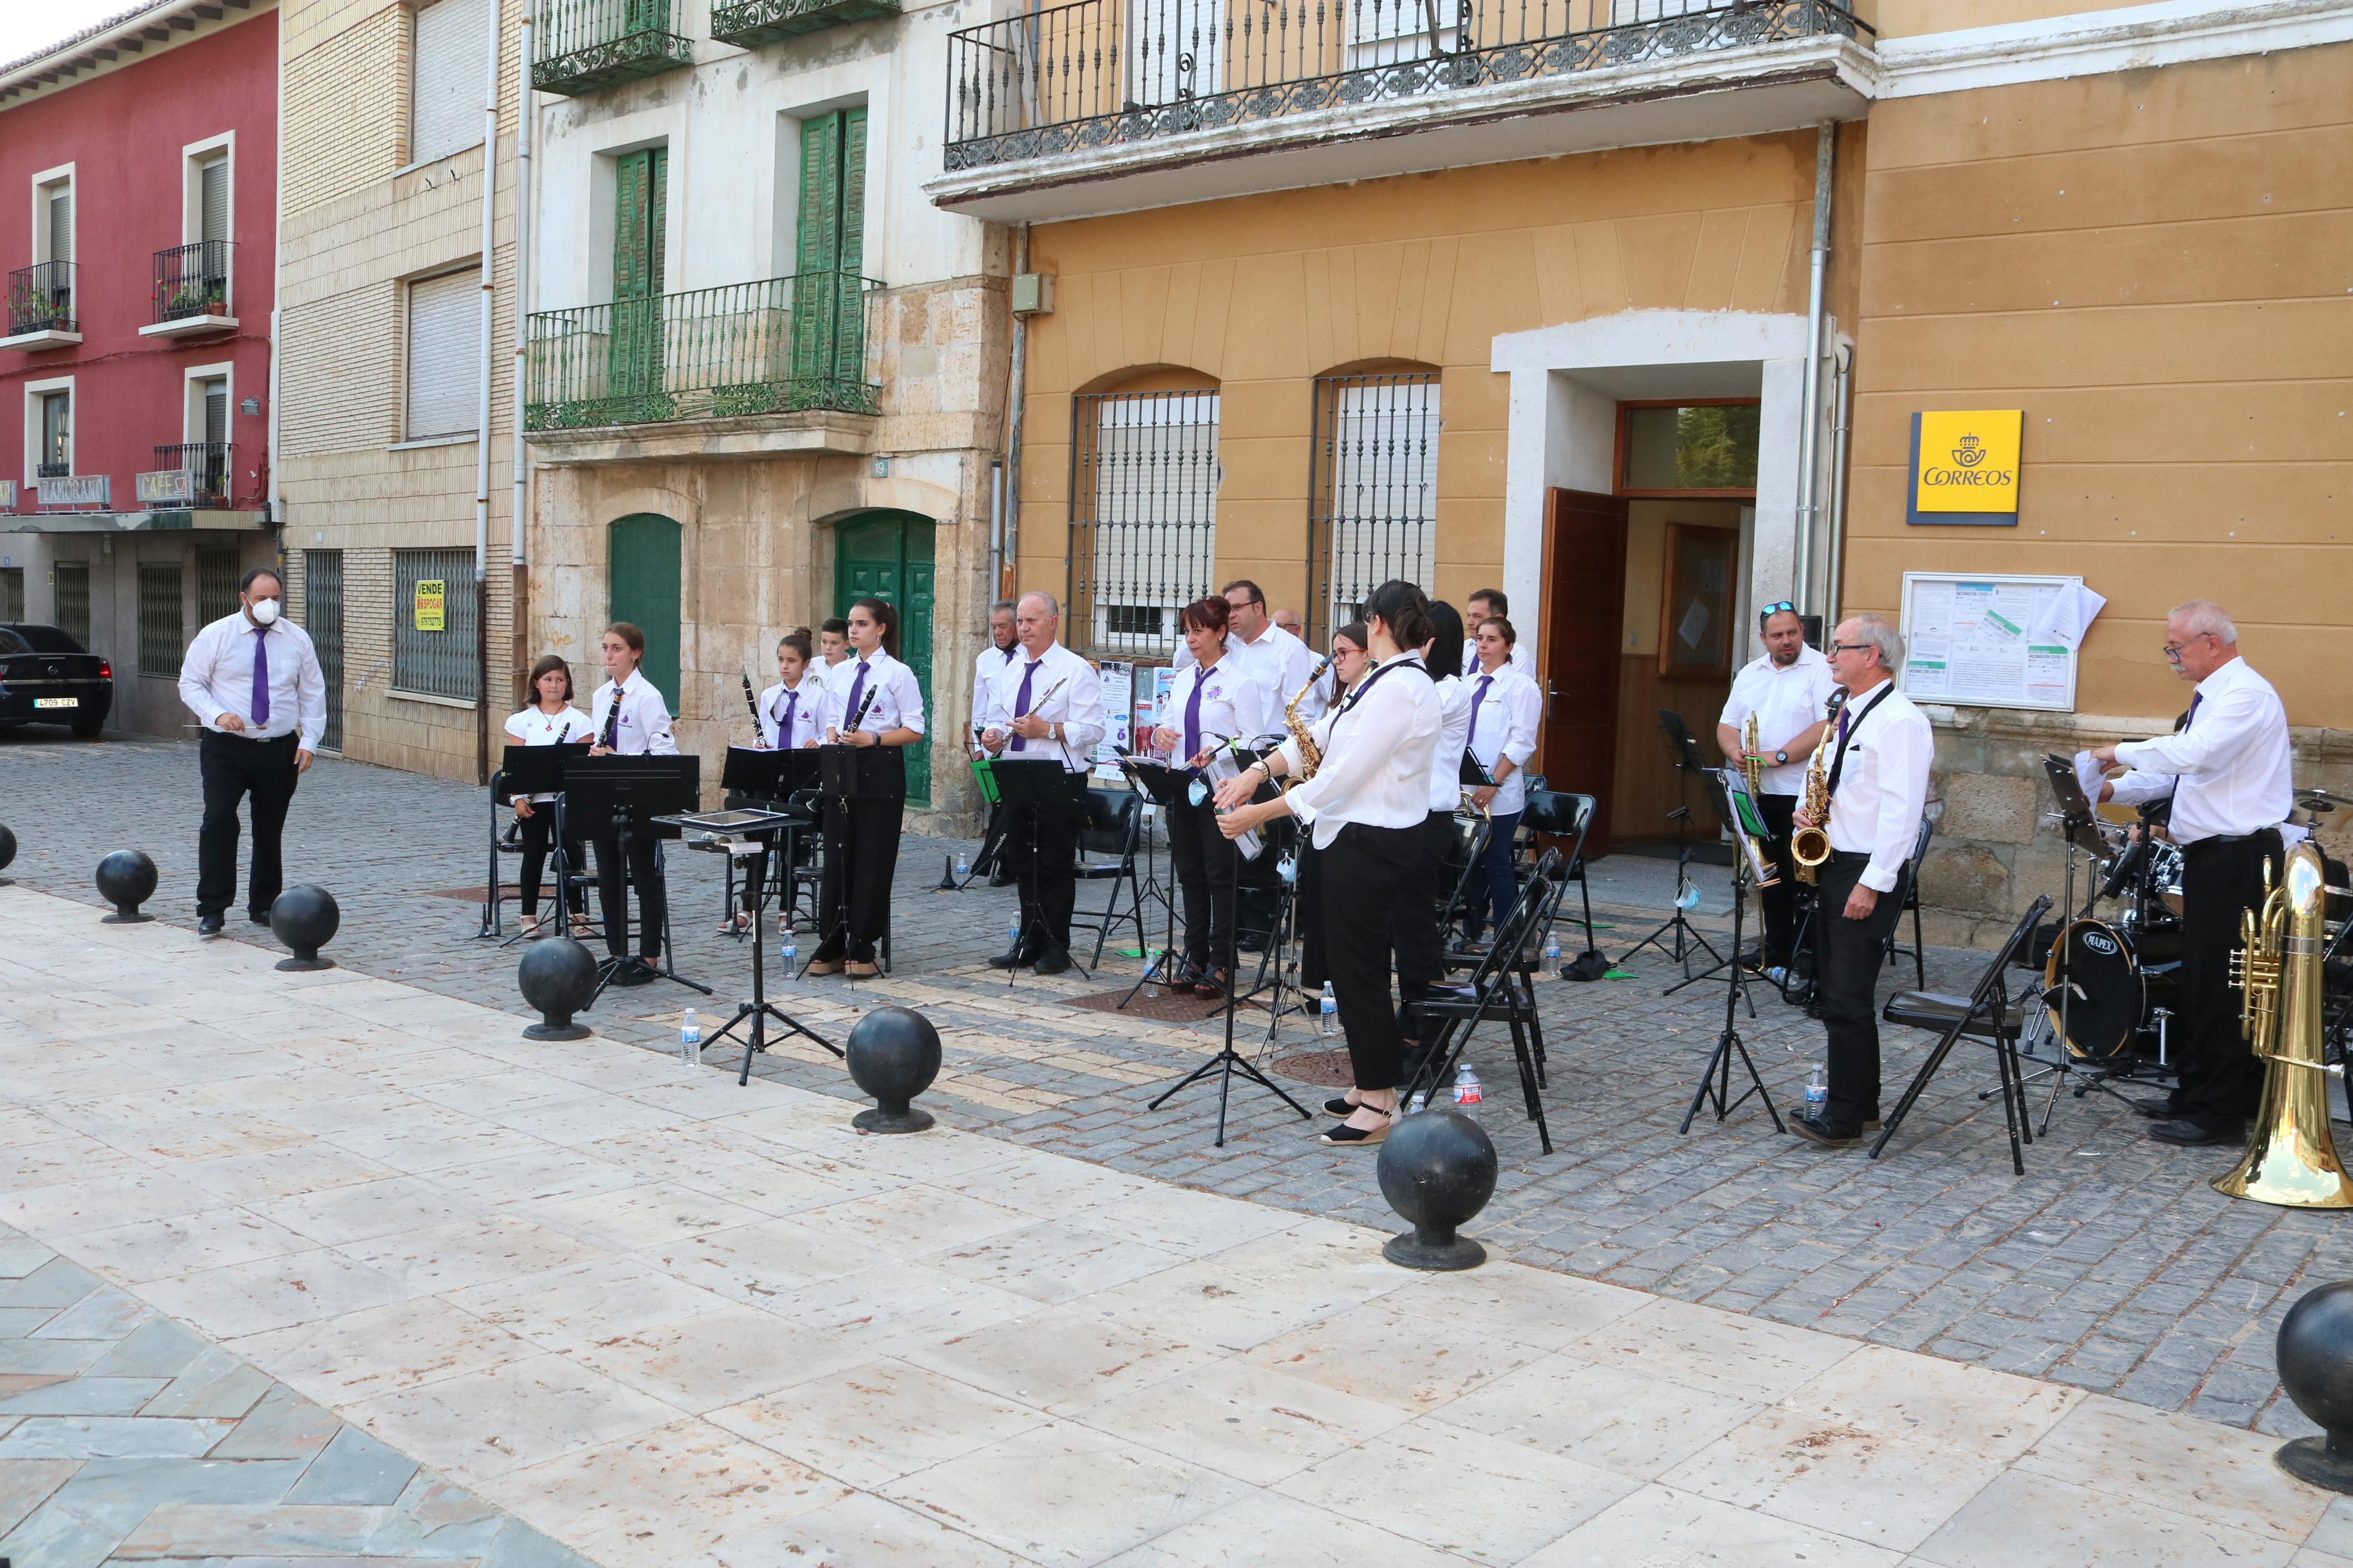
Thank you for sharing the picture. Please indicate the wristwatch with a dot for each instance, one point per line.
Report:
(1781, 758)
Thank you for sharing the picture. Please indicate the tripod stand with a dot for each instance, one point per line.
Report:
(756, 837)
(1715, 1083)
(1228, 1061)
(1684, 752)
(1161, 785)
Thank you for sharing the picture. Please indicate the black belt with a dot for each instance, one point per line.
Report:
(2228, 838)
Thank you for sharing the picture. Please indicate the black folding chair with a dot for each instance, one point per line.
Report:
(506, 838)
(1461, 860)
(1501, 990)
(1909, 889)
(1107, 854)
(1563, 815)
(1987, 1014)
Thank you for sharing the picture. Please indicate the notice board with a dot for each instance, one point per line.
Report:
(1991, 640)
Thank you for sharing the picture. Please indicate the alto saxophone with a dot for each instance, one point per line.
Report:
(2291, 1157)
(1811, 847)
(1311, 756)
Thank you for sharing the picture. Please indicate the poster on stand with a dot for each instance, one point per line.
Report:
(1118, 680)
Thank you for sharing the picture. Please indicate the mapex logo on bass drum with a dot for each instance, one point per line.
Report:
(2101, 943)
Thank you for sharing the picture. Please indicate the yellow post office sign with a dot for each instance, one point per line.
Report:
(432, 607)
(1965, 467)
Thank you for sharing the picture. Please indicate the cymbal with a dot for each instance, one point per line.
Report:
(2314, 807)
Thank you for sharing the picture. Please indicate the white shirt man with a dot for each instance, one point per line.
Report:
(216, 679)
(1060, 690)
(1505, 708)
(1046, 708)
(878, 686)
(1879, 765)
(792, 717)
(632, 722)
(1786, 700)
(2227, 769)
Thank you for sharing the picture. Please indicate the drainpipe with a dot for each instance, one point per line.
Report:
(995, 528)
(276, 496)
(1808, 490)
(482, 417)
(526, 110)
(1009, 555)
(1842, 417)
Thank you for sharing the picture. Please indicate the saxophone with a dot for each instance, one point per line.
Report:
(1311, 756)
(1811, 847)
(1752, 766)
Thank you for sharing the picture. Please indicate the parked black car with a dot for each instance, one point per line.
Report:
(47, 677)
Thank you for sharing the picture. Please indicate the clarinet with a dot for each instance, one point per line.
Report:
(759, 734)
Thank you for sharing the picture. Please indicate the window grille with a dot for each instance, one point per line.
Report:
(444, 354)
(448, 59)
(216, 575)
(1373, 491)
(162, 638)
(12, 594)
(323, 617)
(71, 583)
(1143, 503)
(428, 662)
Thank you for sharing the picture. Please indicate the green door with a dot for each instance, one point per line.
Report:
(829, 250)
(887, 555)
(644, 590)
(641, 211)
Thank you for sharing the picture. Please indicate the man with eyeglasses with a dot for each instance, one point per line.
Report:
(1785, 688)
(2227, 772)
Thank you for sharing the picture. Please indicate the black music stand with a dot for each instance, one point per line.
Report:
(1715, 1083)
(628, 794)
(536, 770)
(772, 778)
(1168, 787)
(1037, 785)
(846, 773)
(739, 834)
(1684, 752)
(1228, 1061)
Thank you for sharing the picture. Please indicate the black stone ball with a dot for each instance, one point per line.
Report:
(557, 978)
(7, 848)
(894, 1055)
(126, 879)
(305, 918)
(1438, 1170)
(2316, 1356)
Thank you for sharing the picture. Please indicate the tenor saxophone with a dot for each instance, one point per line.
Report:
(1811, 847)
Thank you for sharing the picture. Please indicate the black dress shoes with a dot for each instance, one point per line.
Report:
(1823, 1133)
(209, 925)
(1020, 956)
(635, 972)
(1053, 960)
(258, 916)
(2188, 1134)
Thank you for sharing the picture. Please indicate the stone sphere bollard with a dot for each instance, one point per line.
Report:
(893, 1055)
(126, 879)
(7, 856)
(1436, 1170)
(305, 918)
(2316, 1367)
(558, 978)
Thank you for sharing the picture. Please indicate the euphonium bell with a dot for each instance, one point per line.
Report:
(2291, 1157)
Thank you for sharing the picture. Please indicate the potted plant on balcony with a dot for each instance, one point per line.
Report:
(28, 304)
(193, 299)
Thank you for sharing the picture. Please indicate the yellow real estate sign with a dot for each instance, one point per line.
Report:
(432, 607)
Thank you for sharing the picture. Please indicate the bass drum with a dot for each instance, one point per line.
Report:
(2109, 999)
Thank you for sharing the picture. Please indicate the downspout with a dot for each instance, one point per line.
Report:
(1809, 486)
(1843, 416)
(1010, 561)
(526, 110)
(482, 416)
(276, 499)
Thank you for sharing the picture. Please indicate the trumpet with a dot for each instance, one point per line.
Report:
(2291, 1158)
(1811, 847)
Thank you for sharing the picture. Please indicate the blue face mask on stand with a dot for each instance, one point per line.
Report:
(1197, 790)
(1288, 868)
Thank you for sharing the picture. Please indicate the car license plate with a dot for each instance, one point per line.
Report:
(57, 701)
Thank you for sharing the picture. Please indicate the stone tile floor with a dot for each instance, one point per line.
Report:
(2110, 1266)
(327, 1263)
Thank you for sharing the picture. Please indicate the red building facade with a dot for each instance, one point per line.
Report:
(138, 206)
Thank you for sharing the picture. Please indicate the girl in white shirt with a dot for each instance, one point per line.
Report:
(872, 704)
(1212, 703)
(1504, 708)
(630, 720)
(792, 717)
(549, 720)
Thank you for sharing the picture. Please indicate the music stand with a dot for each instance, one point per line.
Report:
(773, 777)
(1037, 784)
(739, 835)
(536, 770)
(1684, 752)
(1166, 787)
(846, 773)
(629, 793)
(1715, 1083)
(1228, 1061)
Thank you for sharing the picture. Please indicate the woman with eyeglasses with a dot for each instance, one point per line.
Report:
(1212, 704)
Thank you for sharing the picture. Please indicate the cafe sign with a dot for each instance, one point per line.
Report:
(167, 487)
(1964, 468)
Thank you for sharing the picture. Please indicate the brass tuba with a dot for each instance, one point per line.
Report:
(2291, 1158)
(1811, 847)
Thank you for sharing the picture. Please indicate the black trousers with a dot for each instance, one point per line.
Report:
(1780, 899)
(233, 767)
(1313, 968)
(1850, 954)
(1042, 850)
(1367, 872)
(2221, 1083)
(538, 834)
(861, 854)
(1414, 930)
(1206, 860)
(613, 898)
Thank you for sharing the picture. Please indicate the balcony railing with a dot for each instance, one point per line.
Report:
(207, 466)
(748, 24)
(192, 280)
(783, 345)
(41, 299)
(583, 45)
(1102, 73)
(52, 471)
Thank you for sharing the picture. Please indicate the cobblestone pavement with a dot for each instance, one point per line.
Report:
(2111, 1265)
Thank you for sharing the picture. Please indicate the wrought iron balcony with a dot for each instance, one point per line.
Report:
(41, 300)
(583, 45)
(207, 466)
(52, 471)
(192, 288)
(748, 24)
(784, 345)
(1103, 74)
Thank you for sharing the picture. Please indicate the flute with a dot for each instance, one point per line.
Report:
(759, 731)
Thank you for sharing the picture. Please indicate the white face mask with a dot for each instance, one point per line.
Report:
(264, 612)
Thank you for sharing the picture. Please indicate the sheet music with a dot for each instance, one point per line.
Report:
(1220, 768)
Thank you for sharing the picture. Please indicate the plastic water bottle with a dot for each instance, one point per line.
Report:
(791, 953)
(1152, 976)
(689, 1041)
(1818, 1094)
(1327, 1021)
(1552, 947)
(1013, 930)
(963, 864)
(1466, 1086)
(1421, 1103)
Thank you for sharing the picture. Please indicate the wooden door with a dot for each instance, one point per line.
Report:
(887, 555)
(1585, 610)
(644, 590)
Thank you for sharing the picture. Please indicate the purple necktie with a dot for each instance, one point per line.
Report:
(857, 689)
(2191, 717)
(1472, 733)
(1021, 701)
(1193, 719)
(784, 720)
(613, 720)
(260, 675)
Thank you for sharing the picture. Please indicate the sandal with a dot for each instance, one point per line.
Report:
(1346, 1137)
(530, 927)
(1340, 1105)
(735, 924)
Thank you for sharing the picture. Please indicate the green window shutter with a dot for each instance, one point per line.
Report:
(828, 319)
(641, 211)
(656, 217)
(850, 318)
(819, 238)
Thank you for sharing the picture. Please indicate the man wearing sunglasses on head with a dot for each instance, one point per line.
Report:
(1785, 690)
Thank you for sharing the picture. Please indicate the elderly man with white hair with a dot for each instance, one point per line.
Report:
(1045, 709)
(2226, 772)
(1878, 787)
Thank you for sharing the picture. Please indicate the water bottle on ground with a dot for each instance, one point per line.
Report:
(1552, 947)
(963, 864)
(791, 953)
(1159, 967)
(1818, 1094)
(1327, 1021)
(1421, 1103)
(1466, 1086)
(689, 1041)
(1013, 932)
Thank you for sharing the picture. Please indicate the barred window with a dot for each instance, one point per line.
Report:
(323, 617)
(216, 575)
(1144, 504)
(433, 623)
(163, 637)
(12, 594)
(1373, 491)
(70, 581)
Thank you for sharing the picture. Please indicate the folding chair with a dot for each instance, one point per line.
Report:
(1566, 816)
(1462, 858)
(1910, 890)
(1107, 854)
(506, 838)
(1522, 961)
(1987, 1014)
(1499, 991)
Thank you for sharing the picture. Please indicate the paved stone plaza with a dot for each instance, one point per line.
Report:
(2110, 1266)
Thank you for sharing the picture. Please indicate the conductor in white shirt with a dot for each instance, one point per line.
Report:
(253, 678)
(1046, 711)
(2227, 774)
